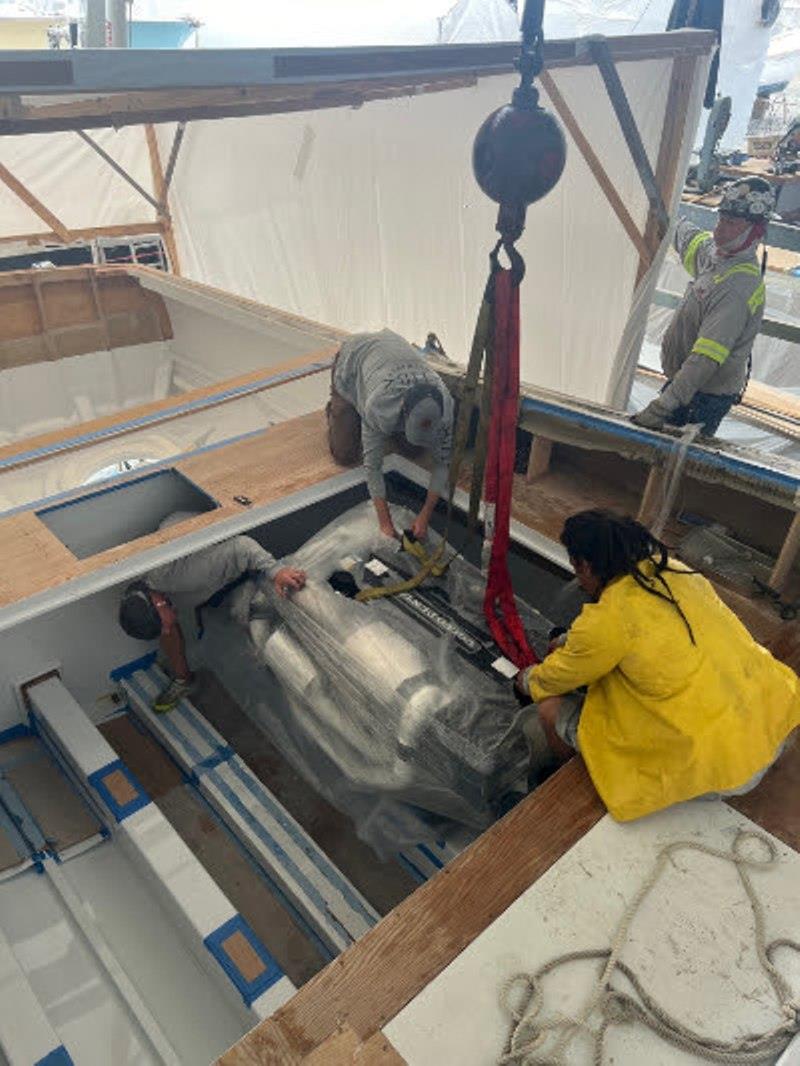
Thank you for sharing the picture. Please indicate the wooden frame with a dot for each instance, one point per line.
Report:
(294, 80)
(161, 191)
(372, 981)
(23, 193)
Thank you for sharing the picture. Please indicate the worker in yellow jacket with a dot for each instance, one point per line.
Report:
(679, 700)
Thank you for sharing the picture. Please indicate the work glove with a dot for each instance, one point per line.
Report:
(652, 417)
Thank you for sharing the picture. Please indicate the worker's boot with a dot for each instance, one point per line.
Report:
(168, 699)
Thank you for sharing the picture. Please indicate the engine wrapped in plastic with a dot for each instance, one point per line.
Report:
(399, 710)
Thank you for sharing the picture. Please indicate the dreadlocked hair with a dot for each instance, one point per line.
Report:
(614, 546)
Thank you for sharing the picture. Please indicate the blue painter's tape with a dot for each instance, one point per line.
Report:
(426, 851)
(704, 456)
(271, 974)
(220, 756)
(121, 811)
(59, 1057)
(167, 722)
(415, 871)
(14, 732)
(330, 872)
(144, 662)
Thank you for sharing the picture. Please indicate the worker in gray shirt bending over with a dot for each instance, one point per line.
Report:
(382, 388)
(707, 348)
(204, 578)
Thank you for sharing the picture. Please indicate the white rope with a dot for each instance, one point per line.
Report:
(522, 997)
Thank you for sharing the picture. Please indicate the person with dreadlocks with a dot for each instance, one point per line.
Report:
(706, 351)
(657, 683)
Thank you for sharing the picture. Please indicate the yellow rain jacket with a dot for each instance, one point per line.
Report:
(664, 719)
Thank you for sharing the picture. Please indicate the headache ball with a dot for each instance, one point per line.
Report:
(518, 155)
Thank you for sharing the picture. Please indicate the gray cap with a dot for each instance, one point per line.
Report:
(423, 421)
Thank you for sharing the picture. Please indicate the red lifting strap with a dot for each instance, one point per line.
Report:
(498, 605)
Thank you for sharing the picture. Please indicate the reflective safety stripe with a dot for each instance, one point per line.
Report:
(740, 268)
(690, 255)
(757, 299)
(713, 349)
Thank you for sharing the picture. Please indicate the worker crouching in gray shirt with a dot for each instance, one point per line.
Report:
(382, 388)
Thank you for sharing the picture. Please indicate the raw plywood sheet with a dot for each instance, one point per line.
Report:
(143, 756)
(285, 459)
(692, 945)
(60, 813)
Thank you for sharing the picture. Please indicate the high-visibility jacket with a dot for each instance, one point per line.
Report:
(666, 719)
(708, 344)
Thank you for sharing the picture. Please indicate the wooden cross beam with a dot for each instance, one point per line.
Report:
(35, 204)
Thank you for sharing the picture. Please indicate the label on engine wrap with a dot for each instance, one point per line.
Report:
(442, 622)
(440, 618)
(376, 567)
(505, 667)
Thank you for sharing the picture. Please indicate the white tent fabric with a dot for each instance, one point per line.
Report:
(745, 40)
(73, 182)
(371, 217)
(321, 23)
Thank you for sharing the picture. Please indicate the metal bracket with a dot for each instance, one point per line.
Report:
(600, 53)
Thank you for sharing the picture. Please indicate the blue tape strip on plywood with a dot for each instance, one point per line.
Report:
(262, 820)
(273, 809)
(58, 1057)
(252, 989)
(121, 811)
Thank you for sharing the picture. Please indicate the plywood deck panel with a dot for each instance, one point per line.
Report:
(373, 980)
(284, 459)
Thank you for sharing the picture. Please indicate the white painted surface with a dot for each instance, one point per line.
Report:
(84, 744)
(199, 1022)
(692, 945)
(77, 997)
(192, 892)
(26, 1036)
(83, 637)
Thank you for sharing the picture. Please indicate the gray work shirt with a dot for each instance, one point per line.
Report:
(374, 371)
(194, 578)
(708, 343)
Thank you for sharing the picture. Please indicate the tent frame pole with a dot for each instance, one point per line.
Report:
(160, 188)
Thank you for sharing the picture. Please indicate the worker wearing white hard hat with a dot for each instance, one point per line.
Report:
(707, 349)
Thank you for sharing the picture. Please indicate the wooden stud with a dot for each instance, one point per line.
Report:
(35, 204)
(539, 459)
(132, 229)
(160, 189)
(788, 554)
(594, 164)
